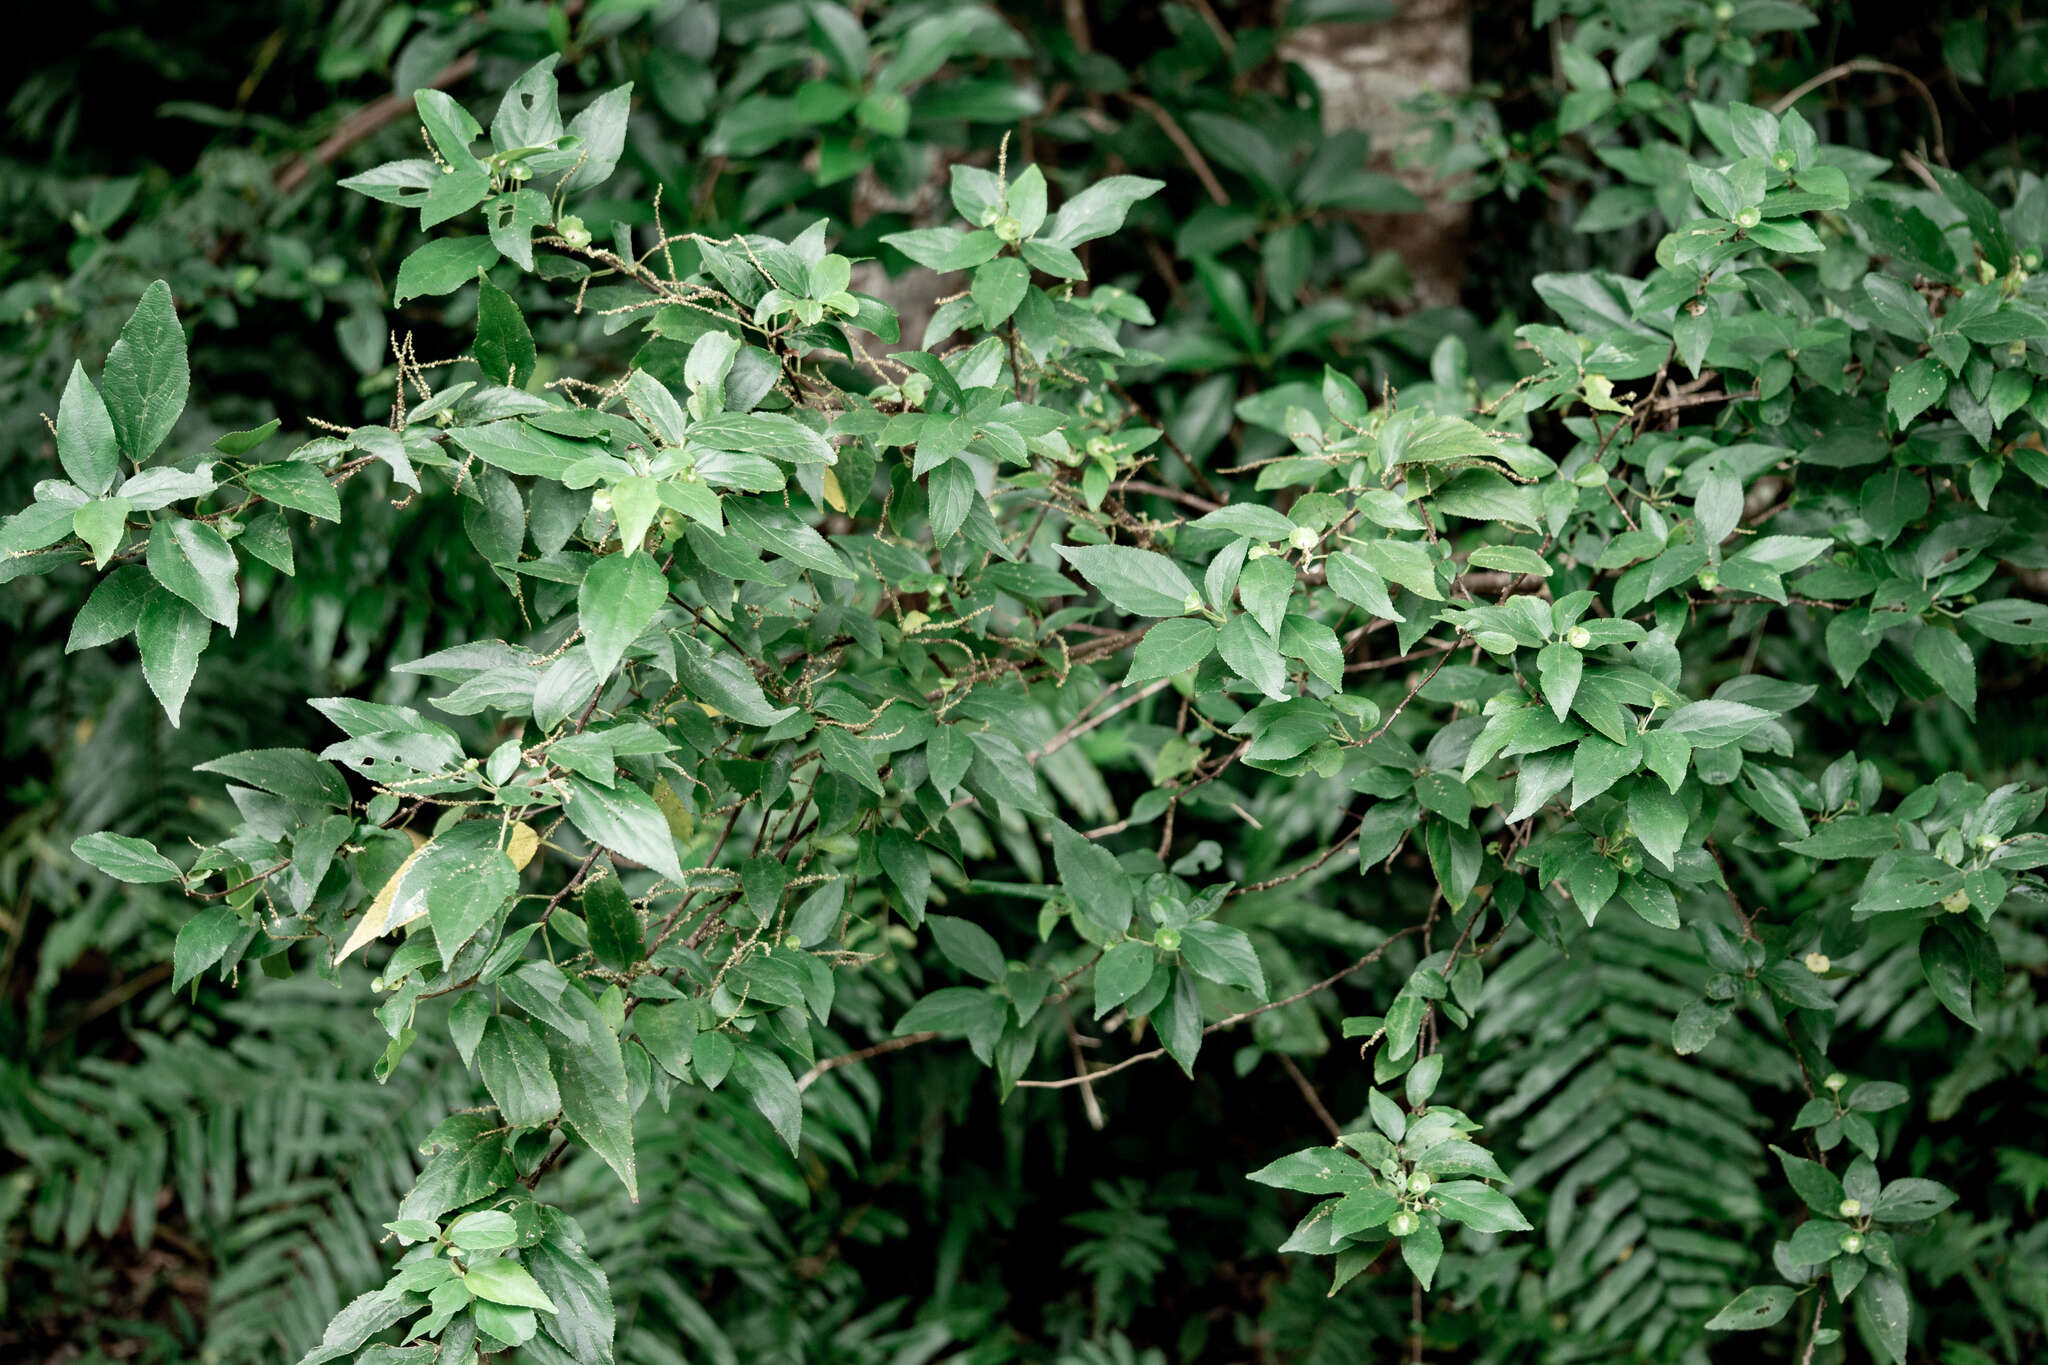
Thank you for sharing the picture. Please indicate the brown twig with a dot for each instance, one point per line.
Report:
(365, 121)
(1315, 1101)
(809, 1078)
(1871, 66)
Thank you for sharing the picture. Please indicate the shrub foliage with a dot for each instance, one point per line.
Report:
(1071, 687)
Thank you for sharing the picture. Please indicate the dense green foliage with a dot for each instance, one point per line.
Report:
(601, 780)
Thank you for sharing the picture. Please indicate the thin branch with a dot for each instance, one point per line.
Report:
(365, 121)
(1315, 1101)
(1869, 65)
(809, 1078)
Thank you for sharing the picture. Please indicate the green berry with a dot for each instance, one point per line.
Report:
(1835, 1081)
(1403, 1223)
(1748, 218)
(1852, 1242)
(1419, 1183)
(1167, 939)
(1578, 637)
(1849, 1208)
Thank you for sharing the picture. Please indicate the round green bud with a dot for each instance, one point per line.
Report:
(1403, 1223)
(1100, 446)
(521, 171)
(1168, 940)
(601, 500)
(1724, 11)
(792, 941)
(1578, 637)
(1852, 1242)
(1818, 963)
(1301, 538)
(1987, 842)
(1748, 218)
(1009, 229)
(377, 983)
(1783, 161)
(1835, 1081)
(1419, 1183)
(1709, 579)
(1849, 1208)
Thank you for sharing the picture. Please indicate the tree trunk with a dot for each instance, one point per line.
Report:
(1365, 72)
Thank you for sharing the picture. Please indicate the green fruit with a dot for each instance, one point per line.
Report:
(1167, 940)
(1849, 1208)
(1403, 1223)
(1852, 1242)
(1419, 1183)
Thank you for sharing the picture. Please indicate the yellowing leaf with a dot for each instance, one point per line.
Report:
(522, 844)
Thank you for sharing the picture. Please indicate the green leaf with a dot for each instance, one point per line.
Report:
(146, 378)
(1251, 654)
(1811, 1181)
(114, 608)
(515, 1070)
(1884, 1309)
(591, 1075)
(1763, 1305)
(504, 346)
(301, 487)
(124, 858)
(908, 869)
(203, 941)
(86, 444)
(585, 1319)
(1098, 210)
(1659, 820)
(1559, 666)
(171, 636)
(764, 1079)
(102, 524)
(1223, 955)
(1135, 581)
(504, 1280)
(1478, 1206)
(1422, 1250)
(442, 267)
(1912, 1199)
(191, 559)
(617, 939)
(1124, 971)
(1172, 646)
(294, 774)
(971, 948)
(619, 599)
(1317, 1170)
(1914, 388)
(999, 287)
(626, 821)
(1101, 890)
(1949, 662)
(484, 1230)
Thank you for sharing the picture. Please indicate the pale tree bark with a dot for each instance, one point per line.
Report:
(1365, 72)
